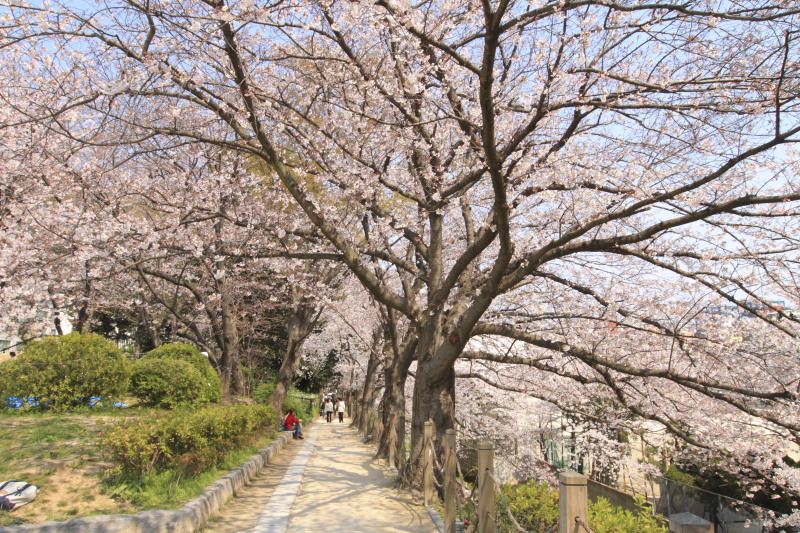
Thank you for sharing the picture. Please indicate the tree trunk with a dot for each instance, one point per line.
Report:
(56, 311)
(434, 391)
(366, 397)
(394, 396)
(150, 325)
(85, 309)
(434, 399)
(301, 322)
(231, 365)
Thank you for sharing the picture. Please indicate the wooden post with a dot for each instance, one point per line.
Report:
(486, 506)
(574, 502)
(450, 481)
(427, 458)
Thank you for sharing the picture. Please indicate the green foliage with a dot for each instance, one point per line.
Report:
(534, 505)
(312, 377)
(66, 371)
(606, 518)
(263, 392)
(181, 351)
(676, 474)
(167, 383)
(299, 402)
(185, 442)
(169, 489)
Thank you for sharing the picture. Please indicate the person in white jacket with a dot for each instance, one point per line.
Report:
(340, 408)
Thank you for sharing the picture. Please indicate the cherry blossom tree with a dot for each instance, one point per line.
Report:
(584, 178)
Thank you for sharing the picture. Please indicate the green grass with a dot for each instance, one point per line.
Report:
(40, 437)
(29, 440)
(168, 490)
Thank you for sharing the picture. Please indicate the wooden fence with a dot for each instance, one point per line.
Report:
(573, 492)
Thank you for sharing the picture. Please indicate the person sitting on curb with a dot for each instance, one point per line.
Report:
(292, 423)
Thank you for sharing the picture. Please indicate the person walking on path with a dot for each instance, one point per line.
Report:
(357, 496)
(340, 409)
(328, 410)
(292, 423)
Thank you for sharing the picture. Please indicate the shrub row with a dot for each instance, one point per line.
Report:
(61, 372)
(185, 441)
(536, 507)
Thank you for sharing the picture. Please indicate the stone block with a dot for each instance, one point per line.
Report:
(689, 523)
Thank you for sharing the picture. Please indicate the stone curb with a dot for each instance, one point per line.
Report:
(189, 519)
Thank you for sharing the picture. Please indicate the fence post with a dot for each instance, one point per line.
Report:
(574, 501)
(486, 506)
(427, 465)
(450, 481)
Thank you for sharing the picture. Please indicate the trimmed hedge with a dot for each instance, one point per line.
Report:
(186, 441)
(168, 383)
(66, 371)
(181, 351)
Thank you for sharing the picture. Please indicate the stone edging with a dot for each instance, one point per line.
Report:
(189, 519)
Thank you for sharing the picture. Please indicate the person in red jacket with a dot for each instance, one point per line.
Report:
(292, 423)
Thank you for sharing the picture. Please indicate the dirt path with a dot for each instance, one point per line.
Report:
(343, 489)
(243, 511)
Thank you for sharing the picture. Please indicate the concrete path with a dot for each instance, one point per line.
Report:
(326, 483)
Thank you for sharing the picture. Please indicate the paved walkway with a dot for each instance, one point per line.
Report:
(326, 483)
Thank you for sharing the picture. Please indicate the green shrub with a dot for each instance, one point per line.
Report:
(536, 507)
(67, 370)
(186, 441)
(299, 402)
(606, 518)
(181, 351)
(263, 392)
(167, 383)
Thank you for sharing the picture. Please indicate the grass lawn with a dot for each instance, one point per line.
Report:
(60, 454)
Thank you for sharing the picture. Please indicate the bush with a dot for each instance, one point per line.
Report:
(294, 400)
(66, 371)
(186, 441)
(167, 383)
(263, 392)
(606, 518)
(300, 404)
(536, 507)
(181, 351)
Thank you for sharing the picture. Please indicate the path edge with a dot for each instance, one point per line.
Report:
(188, 519)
